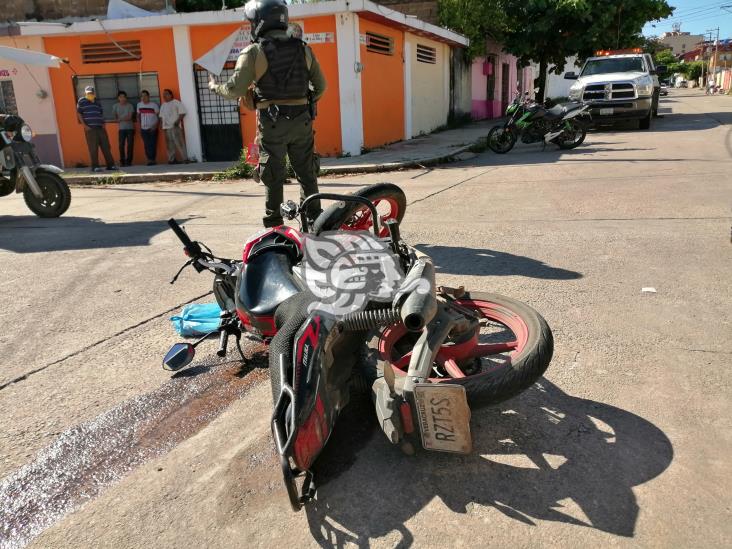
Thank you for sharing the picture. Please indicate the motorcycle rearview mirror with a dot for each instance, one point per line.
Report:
(179, 356)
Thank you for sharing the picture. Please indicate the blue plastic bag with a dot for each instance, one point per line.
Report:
(197, 319)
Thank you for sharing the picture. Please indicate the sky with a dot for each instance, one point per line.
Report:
(696, 17)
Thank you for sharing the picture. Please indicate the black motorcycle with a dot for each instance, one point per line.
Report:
(44, 191)
(564, 125)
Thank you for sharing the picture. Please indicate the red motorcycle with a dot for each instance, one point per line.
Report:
(436, 352)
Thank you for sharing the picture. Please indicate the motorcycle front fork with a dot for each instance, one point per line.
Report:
(26, 177)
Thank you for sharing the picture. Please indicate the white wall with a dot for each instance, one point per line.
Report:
(430, 85)
(28, 82)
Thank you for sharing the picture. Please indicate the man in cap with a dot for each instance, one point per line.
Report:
(275, 75)
(91, 115)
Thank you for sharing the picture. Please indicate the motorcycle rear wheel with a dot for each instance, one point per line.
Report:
(501, 139)
(511, 352)
(56, 196)
(390, 202)
(577, 138)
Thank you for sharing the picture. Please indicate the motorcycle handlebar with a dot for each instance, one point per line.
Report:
(192, 248)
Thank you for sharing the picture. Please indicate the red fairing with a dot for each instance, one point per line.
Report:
(284, 230)
(311, 437)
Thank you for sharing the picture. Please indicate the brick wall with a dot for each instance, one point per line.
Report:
(423, 9)
(42, 10)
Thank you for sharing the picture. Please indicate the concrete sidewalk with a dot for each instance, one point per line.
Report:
(425, 150)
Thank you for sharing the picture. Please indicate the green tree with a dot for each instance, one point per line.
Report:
(549, 31)
(667, 58)
(475, 19)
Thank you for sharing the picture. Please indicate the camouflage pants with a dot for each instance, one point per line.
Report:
(277, 139)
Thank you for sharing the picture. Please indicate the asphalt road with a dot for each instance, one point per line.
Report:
(626, 442)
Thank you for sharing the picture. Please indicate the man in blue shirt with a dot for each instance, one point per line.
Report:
(91, 116)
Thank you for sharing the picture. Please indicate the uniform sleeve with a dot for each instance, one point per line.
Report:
(181, 108)
(242, 78)
(316, 77)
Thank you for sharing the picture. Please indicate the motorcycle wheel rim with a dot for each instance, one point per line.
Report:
(51, 196)
(501, 140)
(490, 346)
(361, 218)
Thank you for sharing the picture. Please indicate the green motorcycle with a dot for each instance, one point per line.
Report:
(564, 125)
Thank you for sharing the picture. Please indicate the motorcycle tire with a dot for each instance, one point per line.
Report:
(355, 217)
(499, 144)
(571, 145)
(498, 384)
(56, 196)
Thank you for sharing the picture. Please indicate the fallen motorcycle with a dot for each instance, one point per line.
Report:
(564, 125)
(44, 191)
(435, 352)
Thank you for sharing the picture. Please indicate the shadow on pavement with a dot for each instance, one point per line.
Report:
(544, 455)
(472, 261)
(30, 234)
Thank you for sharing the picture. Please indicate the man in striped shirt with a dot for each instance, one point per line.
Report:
(91, 116)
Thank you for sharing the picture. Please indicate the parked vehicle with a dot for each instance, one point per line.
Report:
(564, 125)
(619, 86)
(21, 171)
(433, 353)
(664, 90)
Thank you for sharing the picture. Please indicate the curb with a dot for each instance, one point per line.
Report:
(126, 179)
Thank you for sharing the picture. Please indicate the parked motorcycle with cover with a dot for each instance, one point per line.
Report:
(564, 125)
(343, 309)
(21, 171)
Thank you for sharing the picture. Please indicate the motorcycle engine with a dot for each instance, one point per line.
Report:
(535, 132)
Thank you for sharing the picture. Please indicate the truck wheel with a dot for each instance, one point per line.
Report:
(645, 123)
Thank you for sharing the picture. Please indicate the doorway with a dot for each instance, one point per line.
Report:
(505, 86)
(220, 119)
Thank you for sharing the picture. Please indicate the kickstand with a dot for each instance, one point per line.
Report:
(244, 359)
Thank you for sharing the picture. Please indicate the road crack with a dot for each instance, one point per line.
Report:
(100, 342)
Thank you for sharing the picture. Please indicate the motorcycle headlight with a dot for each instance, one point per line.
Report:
(644, 87)
(26, 133)
(575, 92)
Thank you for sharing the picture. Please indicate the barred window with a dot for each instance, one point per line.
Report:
(379, 43)
(108, 86)
(8, 104)
(426, 54)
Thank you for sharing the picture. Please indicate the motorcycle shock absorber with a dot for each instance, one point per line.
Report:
(370, 319)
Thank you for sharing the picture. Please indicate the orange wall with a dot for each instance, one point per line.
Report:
(327, 125)
(382, 87)
(158, 55)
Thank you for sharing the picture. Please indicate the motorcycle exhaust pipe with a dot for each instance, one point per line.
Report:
(416, 299)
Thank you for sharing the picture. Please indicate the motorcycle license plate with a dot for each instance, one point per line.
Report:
(444, 417)
(606, 112)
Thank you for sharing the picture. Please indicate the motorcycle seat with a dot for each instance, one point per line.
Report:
(265, 282)
(558, 111)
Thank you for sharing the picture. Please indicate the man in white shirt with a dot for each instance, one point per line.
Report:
(147, 114)
(172, 112)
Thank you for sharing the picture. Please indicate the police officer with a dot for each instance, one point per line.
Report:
(275, 75)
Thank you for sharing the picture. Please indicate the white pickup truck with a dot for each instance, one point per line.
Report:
(619, 87)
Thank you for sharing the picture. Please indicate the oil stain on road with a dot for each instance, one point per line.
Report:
(84, 460)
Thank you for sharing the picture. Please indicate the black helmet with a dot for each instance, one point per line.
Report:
(266, 15)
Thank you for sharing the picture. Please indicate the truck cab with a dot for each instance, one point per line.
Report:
(619, 86)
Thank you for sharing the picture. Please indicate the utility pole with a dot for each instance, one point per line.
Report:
(715, 53)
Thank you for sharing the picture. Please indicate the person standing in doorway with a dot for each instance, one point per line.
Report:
(281, 69)
(123, 113)
(147, 113)
(91, 115)
(172, 112)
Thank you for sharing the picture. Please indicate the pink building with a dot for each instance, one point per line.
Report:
(495, 81)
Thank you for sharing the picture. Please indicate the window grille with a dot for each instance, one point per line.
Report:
(378, 43)
(109, 52)
(108, 85)
(426, 54)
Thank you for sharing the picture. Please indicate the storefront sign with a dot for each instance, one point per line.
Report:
(319, 38)
(242, 40)
(7, 73)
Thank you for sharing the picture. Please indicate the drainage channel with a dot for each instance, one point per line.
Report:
(87, 458)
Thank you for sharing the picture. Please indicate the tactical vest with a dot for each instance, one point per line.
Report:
(287, 74)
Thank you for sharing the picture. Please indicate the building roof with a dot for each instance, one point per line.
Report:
(364, 8)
